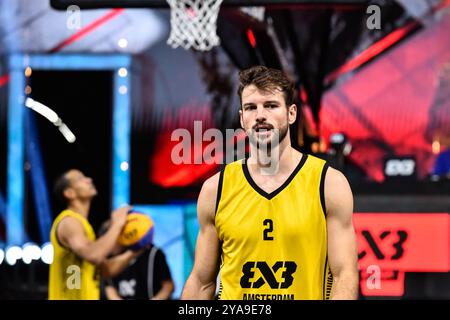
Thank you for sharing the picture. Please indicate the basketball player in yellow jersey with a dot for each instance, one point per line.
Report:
(79, 259)
(274, 234)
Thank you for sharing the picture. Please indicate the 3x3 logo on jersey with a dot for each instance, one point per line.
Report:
(268, 274)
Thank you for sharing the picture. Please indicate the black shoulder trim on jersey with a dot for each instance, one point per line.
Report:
(219, 189)
(329, 286)
(322, 188)
(325, 278)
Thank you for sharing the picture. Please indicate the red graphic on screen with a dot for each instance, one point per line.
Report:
(394, 243)
(204, 154)
(398, 104)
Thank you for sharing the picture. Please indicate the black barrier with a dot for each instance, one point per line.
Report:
(197, 310)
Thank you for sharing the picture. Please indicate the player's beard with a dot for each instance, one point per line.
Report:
(273, 142)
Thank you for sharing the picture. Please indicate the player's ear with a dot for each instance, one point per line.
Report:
(240, 118)
(292, 113)
(69, 193)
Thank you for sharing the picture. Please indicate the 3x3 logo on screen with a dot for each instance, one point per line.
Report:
(283, 270)
(386, 245)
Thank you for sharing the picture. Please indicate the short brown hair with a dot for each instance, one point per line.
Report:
(60, 185)
(267, 79)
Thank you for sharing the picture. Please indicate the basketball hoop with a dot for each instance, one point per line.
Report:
(193, 24)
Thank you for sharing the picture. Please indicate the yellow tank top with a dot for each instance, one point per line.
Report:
(274, 245)
(70, 277)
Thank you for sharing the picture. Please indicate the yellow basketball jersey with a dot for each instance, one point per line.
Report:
(70, 277)
(274, 245)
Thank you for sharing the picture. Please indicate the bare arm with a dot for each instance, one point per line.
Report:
(112, 267)
(111, 293)
(166, 291)
(201, 283)
(71, 233)
(342, 248)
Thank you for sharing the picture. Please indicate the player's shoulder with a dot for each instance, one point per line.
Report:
(337, 188)
(68, 227)
(211, 184)
(208, 193)
(68, 221)
(335, 177)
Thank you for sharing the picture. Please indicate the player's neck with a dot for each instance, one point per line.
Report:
(282, 158)
(80, 206)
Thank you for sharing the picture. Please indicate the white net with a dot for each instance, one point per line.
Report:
(193, 24)
(257, 13)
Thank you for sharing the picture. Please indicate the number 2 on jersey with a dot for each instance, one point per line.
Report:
(268, 223)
